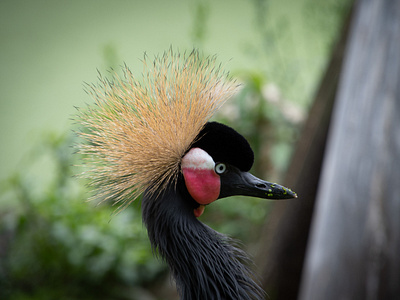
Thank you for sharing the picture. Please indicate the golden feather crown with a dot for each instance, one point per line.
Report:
(137, 132)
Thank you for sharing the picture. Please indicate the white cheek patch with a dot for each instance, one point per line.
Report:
(197, 158)
(202, 183)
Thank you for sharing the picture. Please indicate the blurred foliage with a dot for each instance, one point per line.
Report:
(201, 12)
(56, 246)
(282, 57)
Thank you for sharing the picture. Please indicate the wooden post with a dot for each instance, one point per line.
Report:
(354, 252)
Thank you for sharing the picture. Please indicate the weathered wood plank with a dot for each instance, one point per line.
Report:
(354, 251)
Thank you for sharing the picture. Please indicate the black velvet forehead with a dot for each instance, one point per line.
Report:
(225, 145)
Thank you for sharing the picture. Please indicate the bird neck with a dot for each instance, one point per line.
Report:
(204, 263)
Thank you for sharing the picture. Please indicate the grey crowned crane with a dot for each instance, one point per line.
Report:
(153, 138)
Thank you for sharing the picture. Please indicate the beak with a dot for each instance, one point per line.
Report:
(236, 182)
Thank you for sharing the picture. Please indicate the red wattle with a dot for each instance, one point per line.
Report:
(202, 184)
(199, 211)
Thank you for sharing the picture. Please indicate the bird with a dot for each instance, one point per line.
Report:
(152, 138)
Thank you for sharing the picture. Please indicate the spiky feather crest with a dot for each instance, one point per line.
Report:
(137, 132)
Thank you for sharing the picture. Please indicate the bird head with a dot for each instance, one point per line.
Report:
(143, 135)
(217, 165)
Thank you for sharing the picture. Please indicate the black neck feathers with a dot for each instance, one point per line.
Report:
(204, 263)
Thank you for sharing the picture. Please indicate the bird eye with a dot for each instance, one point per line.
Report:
(220, 168)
